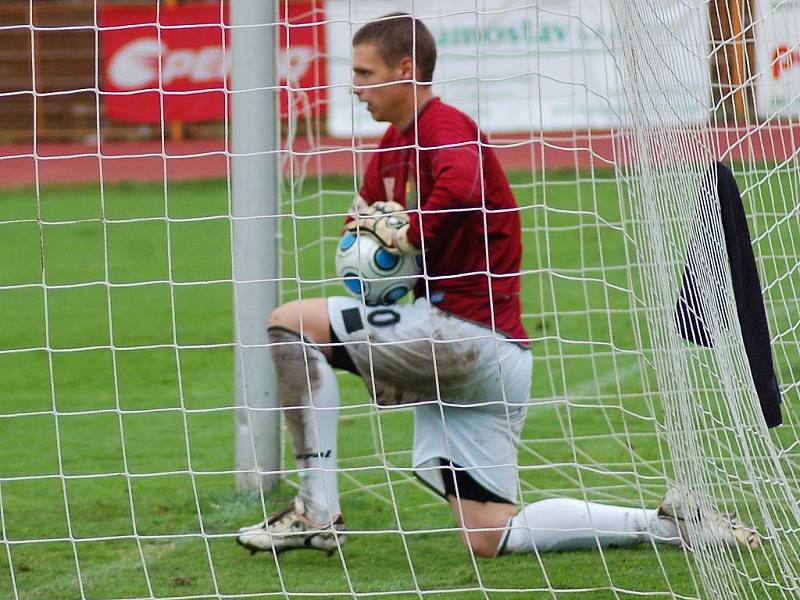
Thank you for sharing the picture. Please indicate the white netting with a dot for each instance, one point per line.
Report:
(117, 474)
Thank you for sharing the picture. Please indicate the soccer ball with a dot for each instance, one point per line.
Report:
(371, 272)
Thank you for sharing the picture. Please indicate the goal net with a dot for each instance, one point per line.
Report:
(119, 417)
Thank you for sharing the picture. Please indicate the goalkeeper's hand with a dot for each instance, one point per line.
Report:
(387, 223)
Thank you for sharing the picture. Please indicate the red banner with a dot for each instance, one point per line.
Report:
(179, 75)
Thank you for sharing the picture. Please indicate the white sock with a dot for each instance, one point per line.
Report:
(309, 393)
(569, 524)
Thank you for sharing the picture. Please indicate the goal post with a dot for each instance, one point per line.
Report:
(254, 131)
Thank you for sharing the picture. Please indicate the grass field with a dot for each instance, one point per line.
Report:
(117, 444)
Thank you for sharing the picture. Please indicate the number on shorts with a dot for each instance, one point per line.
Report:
(383, 317)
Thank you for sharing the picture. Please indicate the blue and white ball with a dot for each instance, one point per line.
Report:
(371, 272)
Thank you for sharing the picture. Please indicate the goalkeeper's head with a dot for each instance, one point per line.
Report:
(393, 62)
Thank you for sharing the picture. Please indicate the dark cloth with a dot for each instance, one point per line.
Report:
(340, 358)
(460, 484)
(691, 314)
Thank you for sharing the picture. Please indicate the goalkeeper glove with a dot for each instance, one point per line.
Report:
(386, 222)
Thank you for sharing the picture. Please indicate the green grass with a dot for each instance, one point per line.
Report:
(116, 414)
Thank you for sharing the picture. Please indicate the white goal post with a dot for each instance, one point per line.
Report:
(256, 254)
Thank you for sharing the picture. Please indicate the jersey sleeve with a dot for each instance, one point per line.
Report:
(455, 164)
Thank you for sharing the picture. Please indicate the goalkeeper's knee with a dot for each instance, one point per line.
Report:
(306, 318)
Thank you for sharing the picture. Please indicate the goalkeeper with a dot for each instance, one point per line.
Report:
(459, 353)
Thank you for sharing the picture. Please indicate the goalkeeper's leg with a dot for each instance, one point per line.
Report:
(570, 524)
(309, 394)
(492, 528)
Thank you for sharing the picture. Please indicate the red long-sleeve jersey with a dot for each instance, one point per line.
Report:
(466, 218)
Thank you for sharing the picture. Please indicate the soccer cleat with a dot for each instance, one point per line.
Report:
(710, 527)
(290, 529)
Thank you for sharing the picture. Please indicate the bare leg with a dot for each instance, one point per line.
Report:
(308, 318)
(483, 523)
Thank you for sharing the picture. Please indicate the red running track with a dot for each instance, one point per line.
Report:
(208, 159)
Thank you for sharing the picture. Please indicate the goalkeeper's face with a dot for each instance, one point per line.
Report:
(386, 90)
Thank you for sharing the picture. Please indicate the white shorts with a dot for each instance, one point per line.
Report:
(469, 386)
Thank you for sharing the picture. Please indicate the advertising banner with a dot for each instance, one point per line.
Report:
(517, 66)
(179, 74)
(777, 38)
